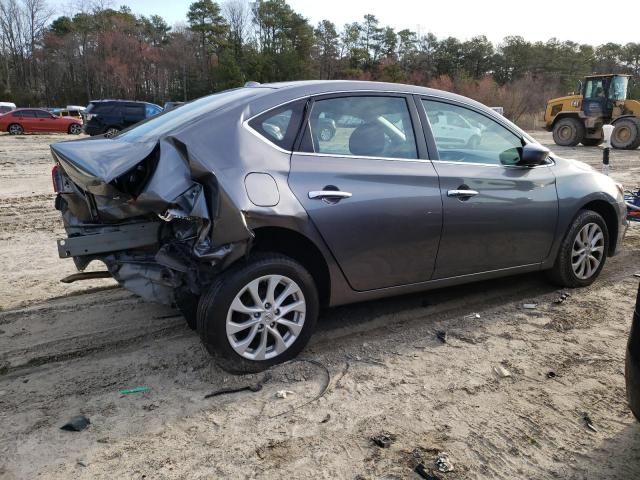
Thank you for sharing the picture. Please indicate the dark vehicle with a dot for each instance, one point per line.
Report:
(172, 105)
(234, 208)
(108, 117)
(632, 364)
(37, 120)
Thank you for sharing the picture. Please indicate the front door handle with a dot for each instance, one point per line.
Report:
(333, 194)
(462, 193)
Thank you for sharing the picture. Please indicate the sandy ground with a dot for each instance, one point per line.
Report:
(70, 349)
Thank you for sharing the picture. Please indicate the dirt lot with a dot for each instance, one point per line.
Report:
(70, 349)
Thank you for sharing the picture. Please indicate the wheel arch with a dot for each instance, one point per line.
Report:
(299, 247)
(563, 115)
(608, 213)
(622, 117)
(15, 123)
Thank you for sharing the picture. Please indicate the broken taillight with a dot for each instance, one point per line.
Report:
(55, 178)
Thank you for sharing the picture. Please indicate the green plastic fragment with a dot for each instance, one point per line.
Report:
(134, 390)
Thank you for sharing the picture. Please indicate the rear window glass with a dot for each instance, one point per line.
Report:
(169, 120)
(280, 125)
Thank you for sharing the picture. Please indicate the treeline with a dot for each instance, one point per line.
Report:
(107, 53)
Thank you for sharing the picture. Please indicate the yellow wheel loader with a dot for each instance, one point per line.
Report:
(603, 99)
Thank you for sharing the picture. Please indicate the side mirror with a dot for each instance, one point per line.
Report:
(533, 154)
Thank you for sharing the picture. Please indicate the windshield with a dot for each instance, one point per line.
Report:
(618, 88)
(167, 121)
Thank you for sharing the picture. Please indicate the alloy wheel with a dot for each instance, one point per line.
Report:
(15, 129)
(588, 251)
(266, 317)
(75, 129)
(111, 132)
(325, 134)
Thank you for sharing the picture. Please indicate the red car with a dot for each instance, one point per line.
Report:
(37, 120)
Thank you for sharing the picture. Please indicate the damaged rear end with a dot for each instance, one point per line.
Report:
(154, 215)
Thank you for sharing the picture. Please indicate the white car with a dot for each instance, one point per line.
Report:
(453, 130)
(6, 107)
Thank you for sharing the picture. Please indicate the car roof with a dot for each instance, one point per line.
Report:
(22, 109)
(124, 101)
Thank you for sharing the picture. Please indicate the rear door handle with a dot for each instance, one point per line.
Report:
(329, 194)
(462, 193)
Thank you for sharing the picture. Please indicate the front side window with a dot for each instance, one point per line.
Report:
(280, 125)
(43, 114)
(28, 114)
(361, 126)
(618, 88)
(594, 88)
(463, 135)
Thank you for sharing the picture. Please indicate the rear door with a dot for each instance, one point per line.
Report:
(370, 189)
(28, 120)
(132, 113)
(496, 215)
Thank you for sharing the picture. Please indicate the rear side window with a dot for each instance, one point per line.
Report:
(280, 125)
(133, 110)
(27, 114)
(361, 126)
(99, 108)
(151, 110)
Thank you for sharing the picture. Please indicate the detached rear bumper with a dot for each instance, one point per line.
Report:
(633, 362)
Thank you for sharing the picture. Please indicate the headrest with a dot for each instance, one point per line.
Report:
(367, 140)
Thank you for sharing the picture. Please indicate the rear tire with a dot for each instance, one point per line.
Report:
(568, 132)
(111, 132)
(15, 129)
(626, 134)
(241, 297)
(583, 251)
(187, 303)
(592, 142)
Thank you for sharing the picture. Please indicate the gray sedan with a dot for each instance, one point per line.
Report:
(241, 209)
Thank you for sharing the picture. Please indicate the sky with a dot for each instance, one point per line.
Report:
(578, 20)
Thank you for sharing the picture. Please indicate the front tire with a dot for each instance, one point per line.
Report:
(259, 313)
(583, 251)
(568, 132)
(75, 129)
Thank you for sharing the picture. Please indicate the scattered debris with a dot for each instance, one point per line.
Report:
(637, 275)
(501, 371)
(443, 463)
(129, 391)
(472, 315)
(588, 422)
(563, 296)
(76, 424)
(325, 387)
(422, 471)
(384, 439)
(252, 388)
(326, 418)
(551, 374)
(283, 393)
(529, 306)
(81, 463)
(441, 335)
(150, 407)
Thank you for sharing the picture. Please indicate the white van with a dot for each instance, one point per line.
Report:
(6, 107)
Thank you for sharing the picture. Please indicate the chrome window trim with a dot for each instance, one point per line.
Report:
(246, 125)
(551, 162)
(341, 155)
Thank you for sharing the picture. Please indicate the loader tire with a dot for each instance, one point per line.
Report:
(626, 134)
(568, 132)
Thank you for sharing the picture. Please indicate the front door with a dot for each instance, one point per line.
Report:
(369, 188)
(496, 215)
